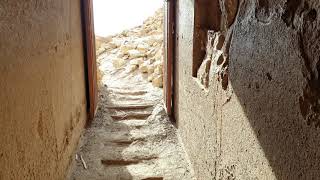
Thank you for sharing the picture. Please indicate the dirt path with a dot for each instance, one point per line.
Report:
(131, 136)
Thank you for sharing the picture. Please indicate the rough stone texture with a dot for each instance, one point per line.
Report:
(206, 18)
(139, 48)
(230, 9)
(43, 103)
(259, 117)
(131, 137)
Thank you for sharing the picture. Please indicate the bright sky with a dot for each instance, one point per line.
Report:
(113, 16)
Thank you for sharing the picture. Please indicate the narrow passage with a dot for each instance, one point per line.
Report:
(131, 136)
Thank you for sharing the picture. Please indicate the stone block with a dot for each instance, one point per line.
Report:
(158, 81)
(137, 61)
(151, 69)
(133, 53)
(143, 68)
(118, 62)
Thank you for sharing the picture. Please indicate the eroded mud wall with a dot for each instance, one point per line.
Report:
(258, 115)
(43, 102)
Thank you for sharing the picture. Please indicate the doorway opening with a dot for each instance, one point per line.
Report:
(134, 45)
(130, 50)
(131, 136)
(129, 42)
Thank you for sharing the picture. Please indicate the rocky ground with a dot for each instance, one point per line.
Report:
(138, 49)
(131, 136)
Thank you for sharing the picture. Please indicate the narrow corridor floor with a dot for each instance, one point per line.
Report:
(131, 136)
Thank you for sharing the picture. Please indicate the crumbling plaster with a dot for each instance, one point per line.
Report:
(42, 82)
(265, 123)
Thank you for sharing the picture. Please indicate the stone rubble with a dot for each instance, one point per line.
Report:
(137, 49)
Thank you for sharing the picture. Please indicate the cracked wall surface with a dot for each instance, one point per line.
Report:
(42, 82)
(258, 115)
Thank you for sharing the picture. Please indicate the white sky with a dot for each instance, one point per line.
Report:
(113, 16)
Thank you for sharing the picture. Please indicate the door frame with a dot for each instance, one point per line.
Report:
(169, 59)
(89, 58)
(91, 65)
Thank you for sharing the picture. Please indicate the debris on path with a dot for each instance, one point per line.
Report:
(131, 136)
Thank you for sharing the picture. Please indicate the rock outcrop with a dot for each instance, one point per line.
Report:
(137, 49)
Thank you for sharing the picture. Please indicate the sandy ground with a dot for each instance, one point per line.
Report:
(131, 136)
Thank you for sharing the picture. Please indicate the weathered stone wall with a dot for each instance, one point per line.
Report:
(42, 82)
(258, 116)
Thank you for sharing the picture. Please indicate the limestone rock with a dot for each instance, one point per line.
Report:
(150, 69)
(120, 55)
(203, 72)
(150, 77)
(132, 67)
(102, 40)
(154, 40)
(136, 61)
(114, 51)
(126, 47)
(151, 60)
(158, 81)
(139, 48)
(143, 47)
(158, 69)
(100, 51)
(151, 53)
(217, 59)
(143, 68)
(118, 62)
(116, 43)
(133, 53)
(159, 54)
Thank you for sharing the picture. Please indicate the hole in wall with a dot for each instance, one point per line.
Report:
(269, 76)
(220, 60)
(257, 86)
(290, 9)
(225, 81)
(312, 15)
(263, 11)
(207, 17)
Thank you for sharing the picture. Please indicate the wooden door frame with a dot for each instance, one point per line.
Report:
(89, 57)
(170, 57)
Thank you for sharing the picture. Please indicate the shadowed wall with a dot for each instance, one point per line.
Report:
(259, 117)
(42, 82)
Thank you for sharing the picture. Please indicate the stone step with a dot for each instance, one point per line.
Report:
(128, 116)
(153, 178)
(125, 91)
(126, 162)
(132, 123)
(122, 92)
(129, 106)
(123, 141)
(133, 99)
